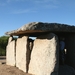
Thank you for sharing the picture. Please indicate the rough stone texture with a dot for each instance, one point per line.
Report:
(70, 45)
(44, 57)
(66, 70)
(42, 27)
(21, 53)
(10, 39)
(10, 53)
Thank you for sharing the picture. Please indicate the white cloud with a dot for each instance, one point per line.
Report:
(46, 1)
(5, 2)
(8, 1)
(48, 4)
(24, 11)
(19, 0)
(14, 0)
(38, 4)
(42, 1)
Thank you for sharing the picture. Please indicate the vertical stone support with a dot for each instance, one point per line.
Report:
(10, 39)
(44, 56)
(10, 52)
(21, 50)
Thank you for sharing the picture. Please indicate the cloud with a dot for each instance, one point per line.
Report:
(5, 2)
(42, 1)
(8, 1)
(46, 1)
(24, 11)
(37, 6)
(48, 4)
(33, 7)
(19, 0)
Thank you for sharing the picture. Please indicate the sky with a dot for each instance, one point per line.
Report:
(16, 13)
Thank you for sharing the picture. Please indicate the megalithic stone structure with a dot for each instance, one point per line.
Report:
(40, 57)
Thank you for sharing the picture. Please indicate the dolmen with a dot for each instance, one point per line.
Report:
(39, 56)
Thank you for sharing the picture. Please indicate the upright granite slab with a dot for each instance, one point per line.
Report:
(21, 50)
(44, 56)
(10, 52)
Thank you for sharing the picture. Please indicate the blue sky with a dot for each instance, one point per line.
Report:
(16, 13)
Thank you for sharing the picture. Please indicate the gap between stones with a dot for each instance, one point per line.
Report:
(28, 53)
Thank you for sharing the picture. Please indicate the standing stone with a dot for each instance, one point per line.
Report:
(21, 50)
(10, 39)
(44, 56)
(10, 53)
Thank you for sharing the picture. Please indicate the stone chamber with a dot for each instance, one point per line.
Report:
(40, 56)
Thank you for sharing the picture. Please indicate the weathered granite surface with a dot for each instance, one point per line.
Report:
(11, 52)
(42, 27)
(21, 53)
(10, 39)
(44, 58)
